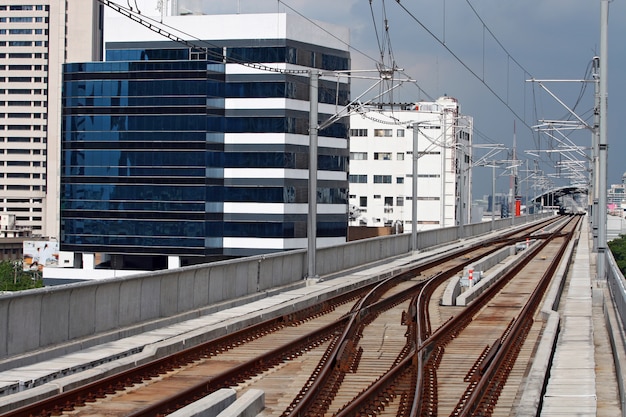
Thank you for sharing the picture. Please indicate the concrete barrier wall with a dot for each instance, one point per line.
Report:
(617, 285)
(615, 321)
(35, 319)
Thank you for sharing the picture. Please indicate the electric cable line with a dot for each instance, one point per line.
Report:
(466, 66)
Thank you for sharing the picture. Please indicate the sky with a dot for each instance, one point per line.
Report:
(483, 52)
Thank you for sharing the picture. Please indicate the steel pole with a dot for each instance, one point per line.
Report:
(602, 143)
(493, 197)
(595, 169)
(312, 215)
(414, 191)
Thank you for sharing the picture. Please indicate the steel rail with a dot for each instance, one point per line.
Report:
(98, 389)
(302, 404)
(445, 332)
(487, 390)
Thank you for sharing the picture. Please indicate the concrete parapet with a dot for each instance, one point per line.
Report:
(451, 292)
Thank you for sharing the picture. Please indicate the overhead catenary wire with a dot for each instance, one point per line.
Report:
(465, 65)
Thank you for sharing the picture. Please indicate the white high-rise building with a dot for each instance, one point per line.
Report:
(36, 38)
(382, 158)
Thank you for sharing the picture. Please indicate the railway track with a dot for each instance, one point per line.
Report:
(330, 359)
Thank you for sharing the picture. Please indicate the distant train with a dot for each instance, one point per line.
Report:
(572, 210)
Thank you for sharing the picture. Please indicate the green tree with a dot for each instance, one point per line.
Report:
(14, 278)
(618, 248)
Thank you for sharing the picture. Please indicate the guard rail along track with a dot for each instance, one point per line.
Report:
(345, 378)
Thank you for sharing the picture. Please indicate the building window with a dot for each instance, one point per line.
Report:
(400, 156)
(358, 132)
(382, 179)
(399, 201)
(379, 133)
(376, 196)
(358, 179)
(358, 156)
(399, 180)
(362, 201)
(400, 133)
(384, 156)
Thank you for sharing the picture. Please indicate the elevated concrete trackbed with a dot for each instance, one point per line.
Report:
(39, 324)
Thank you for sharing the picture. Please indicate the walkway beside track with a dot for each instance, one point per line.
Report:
(571, 389)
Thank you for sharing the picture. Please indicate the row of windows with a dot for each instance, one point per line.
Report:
(21, 175)
(378, 156)
(127, 194)
(130, 159)
(23, 127)
(23, 163)
(23, 103)
(388, 201)
(130, 88)
(128, 102)
(378, 179)
(25, 7)
(23, 115)
(22, 67)
(23, 91)
(27, 219)
(85, 69)
(75, 126)
(286, 54)
(23, 209)
(10, 187)
(23, 43)
(22, 200)
(129, 137)
(24, 55)
(24, 79)
(24, 32)
(387, 156)
(20, 139)
(24, 19)
(384, 133)
(387, 133)
(23, 151)
(142, 233)
(125, 91)
(386, 179)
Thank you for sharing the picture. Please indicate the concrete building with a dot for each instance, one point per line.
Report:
(616, 198)
(175, 155)
(617, 193)
(381, 165)
(36, 37)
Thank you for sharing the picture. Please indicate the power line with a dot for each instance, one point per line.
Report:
(466, 66)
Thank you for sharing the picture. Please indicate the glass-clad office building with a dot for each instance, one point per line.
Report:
(169, 151)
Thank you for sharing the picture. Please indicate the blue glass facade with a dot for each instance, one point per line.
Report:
(143, 152)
